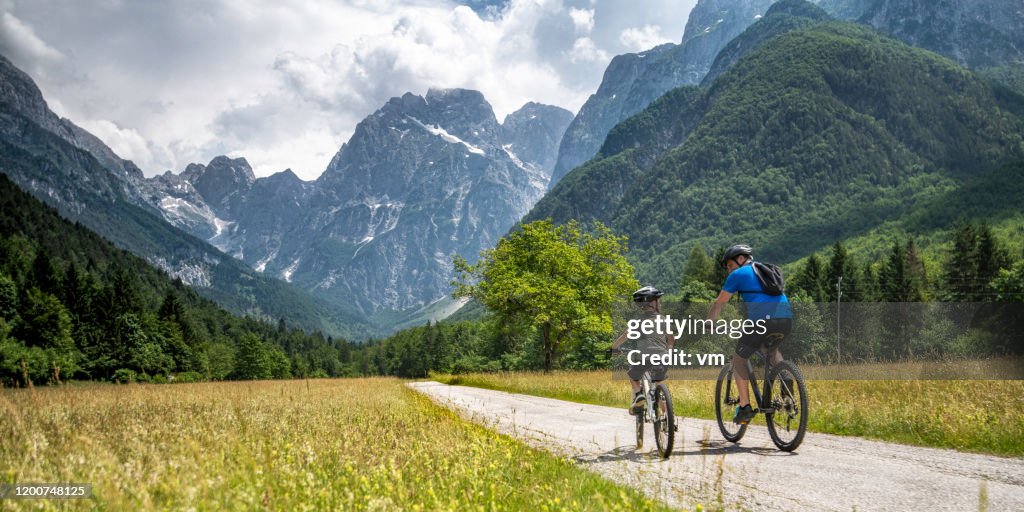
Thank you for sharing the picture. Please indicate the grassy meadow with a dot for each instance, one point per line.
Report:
(357, 444)
(981, 416)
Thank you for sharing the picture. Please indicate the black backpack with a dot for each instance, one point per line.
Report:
(770, 277)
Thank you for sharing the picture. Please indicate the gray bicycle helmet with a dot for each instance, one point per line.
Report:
(647, 294)
(736, 251)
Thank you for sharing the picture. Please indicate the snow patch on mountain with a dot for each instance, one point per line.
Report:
(447, 137)
(287, 273)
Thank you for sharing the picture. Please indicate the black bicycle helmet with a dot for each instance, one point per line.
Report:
(736, 251)
(647, 294)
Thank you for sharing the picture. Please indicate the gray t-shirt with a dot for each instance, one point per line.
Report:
(651, 343)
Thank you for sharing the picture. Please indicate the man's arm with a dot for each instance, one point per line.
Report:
(720, 302)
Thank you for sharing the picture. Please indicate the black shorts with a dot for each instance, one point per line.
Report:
(658, 372)
(750, 343)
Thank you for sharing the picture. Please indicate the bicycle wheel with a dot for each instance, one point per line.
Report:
(665, 422)
(726, 398)
(787, 422)
(639, 430)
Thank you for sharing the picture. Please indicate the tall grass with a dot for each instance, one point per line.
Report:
(366, 444)
(982, 416)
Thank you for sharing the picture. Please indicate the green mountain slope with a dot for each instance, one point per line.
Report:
(821, 134)
(83, 190)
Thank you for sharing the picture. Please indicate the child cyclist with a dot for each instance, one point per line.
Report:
(648, 304)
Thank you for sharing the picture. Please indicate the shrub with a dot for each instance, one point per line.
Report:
(124, 376)
(186, 377)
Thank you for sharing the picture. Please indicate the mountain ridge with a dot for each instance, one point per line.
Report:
(692, 161)
(68, 176)
(422, 178)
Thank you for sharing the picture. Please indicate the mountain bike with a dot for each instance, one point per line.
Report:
(782, 400)
(658, 411)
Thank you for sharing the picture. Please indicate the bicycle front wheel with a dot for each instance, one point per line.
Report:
(726, 398)
(639, 430)
(787, 421)
(665, 422)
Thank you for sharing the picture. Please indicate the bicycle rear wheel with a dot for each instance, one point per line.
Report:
(787, 423)
(726, 398)
(665, 422)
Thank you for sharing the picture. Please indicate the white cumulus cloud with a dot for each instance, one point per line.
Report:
(585, 50)
(643, 38)
(582, 19)
(284, 82)
(21, 38)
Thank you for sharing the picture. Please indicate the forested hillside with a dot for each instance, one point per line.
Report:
(74, 172)
(74, 306)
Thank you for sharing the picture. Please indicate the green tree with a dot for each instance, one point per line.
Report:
(563, 280)
(720, 272)
(842, 265)
(221, 360)
(45, 324)
(1009, 283)
(962, 267)
(171, 308)
(8, 297)
(138, 349)
(699, 266)
(44, 274)
(810, 279)
(280, 365)
(253, 359)
(991, 258)
(698, 277)
(916, 269)
(894, 278)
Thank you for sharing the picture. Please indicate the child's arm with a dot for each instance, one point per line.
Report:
(619, 341)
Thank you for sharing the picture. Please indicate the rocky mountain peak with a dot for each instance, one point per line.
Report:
(976, 34)
(633, 81)
(286, 177)
(533, 132)
(221, 180)
(723, 16)
(19, 91)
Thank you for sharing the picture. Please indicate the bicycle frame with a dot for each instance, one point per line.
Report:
(762, 399)
(759, 396)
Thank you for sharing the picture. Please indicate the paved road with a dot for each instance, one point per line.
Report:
(826, 473)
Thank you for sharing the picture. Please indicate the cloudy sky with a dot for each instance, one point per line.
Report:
(284, 82)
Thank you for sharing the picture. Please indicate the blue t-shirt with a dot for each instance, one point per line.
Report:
(760, 305)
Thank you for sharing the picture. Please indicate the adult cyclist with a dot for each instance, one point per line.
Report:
(774, 310)
(648, 301)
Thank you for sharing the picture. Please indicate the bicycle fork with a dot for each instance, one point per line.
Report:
(651, 415)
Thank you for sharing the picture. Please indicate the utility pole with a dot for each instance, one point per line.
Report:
(839, 301)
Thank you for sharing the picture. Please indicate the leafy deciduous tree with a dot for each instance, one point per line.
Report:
(562, 279)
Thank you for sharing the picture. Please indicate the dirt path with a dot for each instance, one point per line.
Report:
(826, 473)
